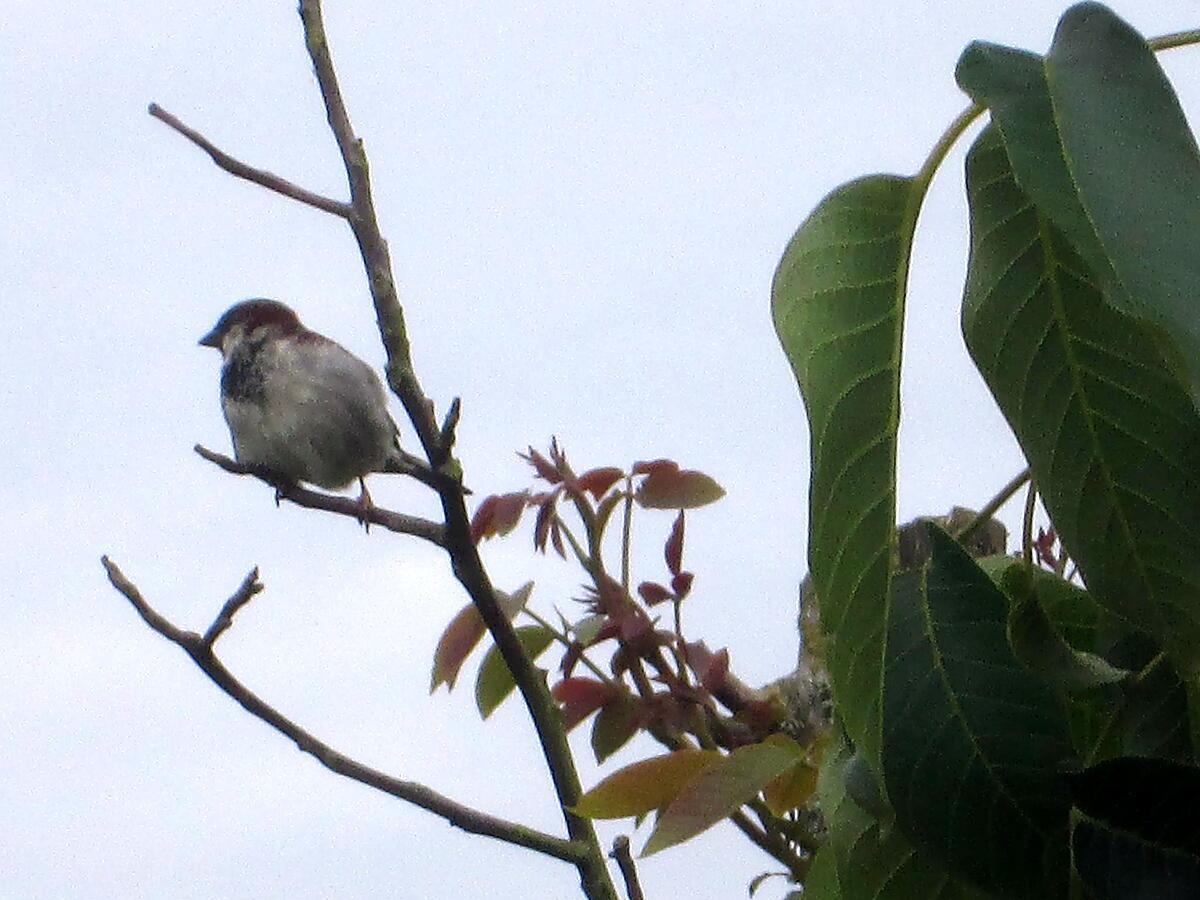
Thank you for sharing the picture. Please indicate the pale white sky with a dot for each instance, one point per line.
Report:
(585, 204)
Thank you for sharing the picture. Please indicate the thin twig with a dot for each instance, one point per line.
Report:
(472, 820)
(372, 247)
(623, 856)
(771, 844)
(626, 533)
(566, 641)
(239, 169)
(344, 506)
(1027, 524)
(992, 506)
(775, 826)
(246, 590)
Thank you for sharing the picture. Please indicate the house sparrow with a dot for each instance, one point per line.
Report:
(300, 406)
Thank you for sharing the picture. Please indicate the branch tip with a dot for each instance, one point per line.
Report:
(239, 169)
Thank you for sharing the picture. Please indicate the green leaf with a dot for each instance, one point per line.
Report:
(615, 724)
(495, 681)
(1146, 715)
(1138, 833)
(822, 880)
(863, 859)
(1136, 166)
(838, 305)
(1072, 611)
(1192, 693)
(1113, 440)
(646, 785)
(1110, 160)
(1042, 649)
(973, 743)
(722, 789)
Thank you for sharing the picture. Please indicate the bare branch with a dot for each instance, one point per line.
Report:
(371, 245)
(992, 506)
(620, 852)
(148, 614)
(464, 556)
(343, 506)
(246, 590)
(200, 650)
(239, 169)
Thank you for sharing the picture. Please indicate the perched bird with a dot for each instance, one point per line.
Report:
(301, 407)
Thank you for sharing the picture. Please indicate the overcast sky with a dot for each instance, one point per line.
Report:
(585, 204)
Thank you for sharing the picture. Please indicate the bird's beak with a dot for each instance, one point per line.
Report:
(212, 339)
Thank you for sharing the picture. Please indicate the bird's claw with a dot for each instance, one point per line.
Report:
(365, 505)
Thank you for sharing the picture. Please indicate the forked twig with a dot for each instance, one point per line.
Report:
(200, 649)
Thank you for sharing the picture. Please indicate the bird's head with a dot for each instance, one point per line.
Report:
(252, 319)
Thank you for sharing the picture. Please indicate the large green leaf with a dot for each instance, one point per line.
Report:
(838, 305)
(1042, 648)
(1071, 609)
(1099, 142)
(863, 859)
(1146, 715)
(822, 880)
(974, 745)
(1113, 440)
(1138, 834)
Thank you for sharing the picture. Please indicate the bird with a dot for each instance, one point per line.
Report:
(301, 407)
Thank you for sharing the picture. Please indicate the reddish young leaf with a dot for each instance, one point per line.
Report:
(668, 487)
(653, 466)
(597, 481)
(498, 515)
(545, 470)
(712, 677)
(653, 593)
(605, 509)
(634, 625)
(464, 633)
(556, 538)
(1045, 548)
(681, 584)
(698, 657)
(609, 630)
(644, 786)
(580, 697)
(455, 645)
(673, 552)
(721, 789)
(542, 525)
(481, 522)
(608, 597)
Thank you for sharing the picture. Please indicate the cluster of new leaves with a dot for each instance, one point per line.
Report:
(1006, 733)
(623, 665)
